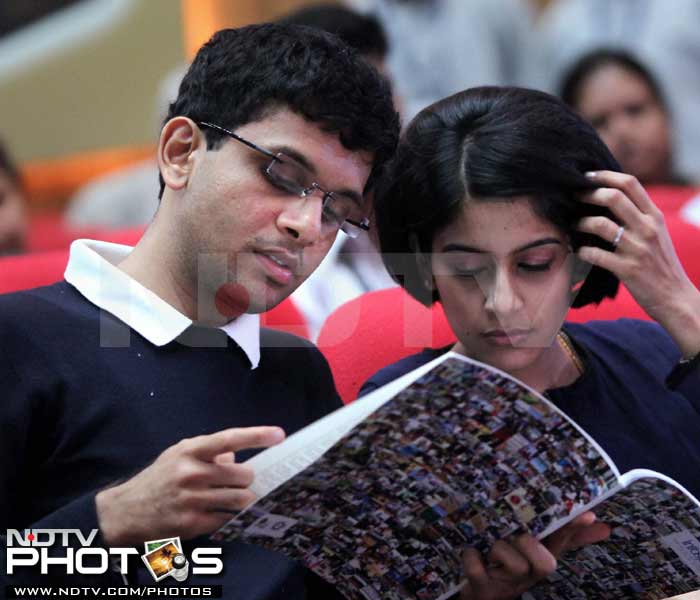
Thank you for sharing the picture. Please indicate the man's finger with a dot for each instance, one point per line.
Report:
(228, 500)
(231, 475)
(207, 447)
(226, 458)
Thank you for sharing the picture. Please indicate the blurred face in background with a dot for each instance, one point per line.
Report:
(631, 121)
(13, 219)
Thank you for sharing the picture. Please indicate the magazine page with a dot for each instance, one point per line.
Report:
(461, 457)
(279, 463)
(652, 553)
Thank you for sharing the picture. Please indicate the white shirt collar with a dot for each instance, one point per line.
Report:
(93, 272)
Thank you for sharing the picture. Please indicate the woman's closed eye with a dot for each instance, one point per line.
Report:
(535, 267)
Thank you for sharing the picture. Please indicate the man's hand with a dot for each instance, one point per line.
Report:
(185, 491)
(516, 566)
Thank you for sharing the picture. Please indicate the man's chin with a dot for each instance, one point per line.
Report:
(267, 299)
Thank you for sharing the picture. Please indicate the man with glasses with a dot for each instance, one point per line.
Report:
(133, 390)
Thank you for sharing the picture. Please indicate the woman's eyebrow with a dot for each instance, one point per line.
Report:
(542, 242)
(465, 248)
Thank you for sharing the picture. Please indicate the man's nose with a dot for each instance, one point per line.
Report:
(301, 218)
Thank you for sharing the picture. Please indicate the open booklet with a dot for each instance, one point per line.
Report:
(381, 496)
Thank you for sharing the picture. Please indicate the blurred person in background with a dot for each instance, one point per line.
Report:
(661, 34)
(13, 213)
(620, 97)
(129, 196)
(353, 265)
(439, 47)
(362, 32)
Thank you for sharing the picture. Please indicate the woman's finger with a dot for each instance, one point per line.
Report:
(623, 209)
(511, 561)
(604, 228)
(474, 571)
(584, 529)
(604, 259)
(627, 184)
(541, 562)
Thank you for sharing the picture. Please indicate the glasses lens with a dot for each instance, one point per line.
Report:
(350, 230)
(288, 175)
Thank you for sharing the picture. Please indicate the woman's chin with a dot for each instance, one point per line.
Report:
(513, 361)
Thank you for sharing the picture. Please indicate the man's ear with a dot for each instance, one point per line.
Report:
(180, 140)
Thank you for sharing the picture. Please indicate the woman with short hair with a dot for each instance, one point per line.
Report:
(505, 205)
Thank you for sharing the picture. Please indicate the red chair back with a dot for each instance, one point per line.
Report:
(373, 331)
(286, 317)
(670, 198)
(49, 232)
(28, 271)
(31, 270)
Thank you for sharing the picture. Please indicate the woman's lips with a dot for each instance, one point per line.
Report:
(513, 337)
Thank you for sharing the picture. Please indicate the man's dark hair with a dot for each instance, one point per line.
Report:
(240, 75)
(482, 144)
(576, 76)
(362, 32)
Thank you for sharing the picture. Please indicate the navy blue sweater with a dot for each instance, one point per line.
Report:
(76, 417)
(621, 400)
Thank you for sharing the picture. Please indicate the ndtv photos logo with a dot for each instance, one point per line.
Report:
(163, 558)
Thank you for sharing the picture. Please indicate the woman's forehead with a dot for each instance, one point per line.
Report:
(498, 225)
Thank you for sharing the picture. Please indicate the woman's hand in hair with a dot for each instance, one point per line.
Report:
(511, 568)
(644, 258)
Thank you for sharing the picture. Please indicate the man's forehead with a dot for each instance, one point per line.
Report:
(290, 132)
(321, 152)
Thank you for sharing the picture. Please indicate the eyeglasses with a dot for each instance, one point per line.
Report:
(339, 211)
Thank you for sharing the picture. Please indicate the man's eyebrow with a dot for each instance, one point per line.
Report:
(296, 156)
(304, 162)
(464, 248)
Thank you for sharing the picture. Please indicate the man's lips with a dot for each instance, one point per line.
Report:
(279, 265)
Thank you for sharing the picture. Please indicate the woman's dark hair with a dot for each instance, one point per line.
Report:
(575, 77)
(239, 75)
(489, 143)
